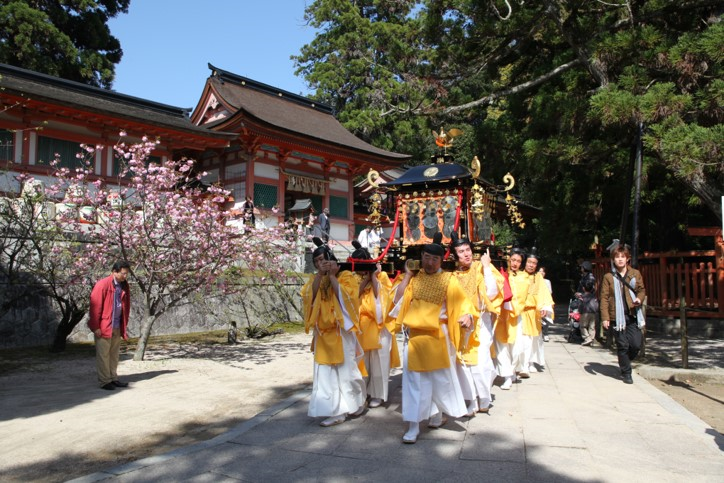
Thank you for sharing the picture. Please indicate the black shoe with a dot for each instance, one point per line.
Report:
(119, 384)
(108, 387)
(627, 380)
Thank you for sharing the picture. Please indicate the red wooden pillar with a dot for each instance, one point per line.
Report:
(719, 255)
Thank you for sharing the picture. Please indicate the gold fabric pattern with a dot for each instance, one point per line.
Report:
(468, 281)
(430, 288)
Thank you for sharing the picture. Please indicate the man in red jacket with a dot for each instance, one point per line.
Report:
(110, 304)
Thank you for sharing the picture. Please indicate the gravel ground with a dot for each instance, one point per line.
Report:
(57, 424)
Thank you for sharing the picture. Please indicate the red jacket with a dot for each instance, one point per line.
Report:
(101, 307)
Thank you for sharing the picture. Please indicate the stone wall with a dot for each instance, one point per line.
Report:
(35, 323)
(31, 324)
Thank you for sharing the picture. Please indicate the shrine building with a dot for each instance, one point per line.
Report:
(287, 148)
(253, 139)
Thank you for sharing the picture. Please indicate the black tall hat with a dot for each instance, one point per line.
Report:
(435, 248)
(322, 249)
(517, 250)
(360, 253)
(456, 241)
(533, 253)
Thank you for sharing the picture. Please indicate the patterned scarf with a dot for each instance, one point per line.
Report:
(621, 300)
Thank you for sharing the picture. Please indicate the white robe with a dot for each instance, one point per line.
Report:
(424, 394)
(476, 381)
(339, 389)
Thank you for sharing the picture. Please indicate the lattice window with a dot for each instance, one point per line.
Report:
(68, 151)
(338, 206)
(235, 171)
(265, 196)
(238, 191)
(118, 162)
(6, 145)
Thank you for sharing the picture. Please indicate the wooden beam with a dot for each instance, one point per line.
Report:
(703, 231)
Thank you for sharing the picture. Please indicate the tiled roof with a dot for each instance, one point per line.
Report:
(290, 112)
(53, 90)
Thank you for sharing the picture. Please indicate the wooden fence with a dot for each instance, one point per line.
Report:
(698, 276)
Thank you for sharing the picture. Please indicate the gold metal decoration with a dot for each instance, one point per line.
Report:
(509, 181)
(513, 212)
(481, 200)
(373, 178)
(445, 139)
(375, 205)
(475, 164)
(430, 172)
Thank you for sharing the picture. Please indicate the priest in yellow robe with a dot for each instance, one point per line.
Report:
(330, 301)
(538, 304)
(376, 330)
(433, 309)
(483, 285)
(508, 328)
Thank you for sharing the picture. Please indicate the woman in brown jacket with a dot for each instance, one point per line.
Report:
(622, 293)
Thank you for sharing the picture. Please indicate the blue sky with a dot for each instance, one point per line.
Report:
(167, 45)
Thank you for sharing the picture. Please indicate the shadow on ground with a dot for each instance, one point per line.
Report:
(254, 352)
(69, 464)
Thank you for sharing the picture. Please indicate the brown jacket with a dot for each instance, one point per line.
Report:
(608, 297)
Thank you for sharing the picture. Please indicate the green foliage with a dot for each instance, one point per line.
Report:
(64, 38)
(394, 70)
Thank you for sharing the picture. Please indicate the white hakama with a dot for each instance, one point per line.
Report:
(508, 358)
(477, 380)
(377, 362)
(537, 355)
(424, 394)
(339, 388)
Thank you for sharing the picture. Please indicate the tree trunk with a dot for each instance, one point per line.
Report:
(143, 340)
(65, 327)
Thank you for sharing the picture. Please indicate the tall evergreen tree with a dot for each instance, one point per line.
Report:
(63, 38)
(555, 91)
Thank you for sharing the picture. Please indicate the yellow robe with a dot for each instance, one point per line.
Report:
(473, 283)
(324, 315)
(369, 337)
(392, 323)
(538, 297)
(427, 347)
(507, 323)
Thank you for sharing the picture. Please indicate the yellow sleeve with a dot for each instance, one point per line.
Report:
(349, 288)
(383, 293)
(391, 323)
(457, 304)
(519, 285)
(406, 300)
(496, 303)
(307, 304)
(544, 297)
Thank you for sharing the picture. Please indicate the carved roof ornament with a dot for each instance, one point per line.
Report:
(445, 139)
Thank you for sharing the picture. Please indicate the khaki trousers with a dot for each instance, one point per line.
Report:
(107, 352)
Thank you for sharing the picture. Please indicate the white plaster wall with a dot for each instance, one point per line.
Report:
(266, 170)
(339, 231)
(212, 176)
(339, 184)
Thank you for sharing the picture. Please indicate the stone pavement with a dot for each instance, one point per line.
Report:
(576, 421)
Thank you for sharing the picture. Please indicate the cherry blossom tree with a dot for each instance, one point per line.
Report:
(38, 259)
(169, 225)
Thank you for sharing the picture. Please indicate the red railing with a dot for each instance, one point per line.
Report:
(698, 276)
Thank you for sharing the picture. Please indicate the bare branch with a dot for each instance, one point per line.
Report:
(513, 90)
